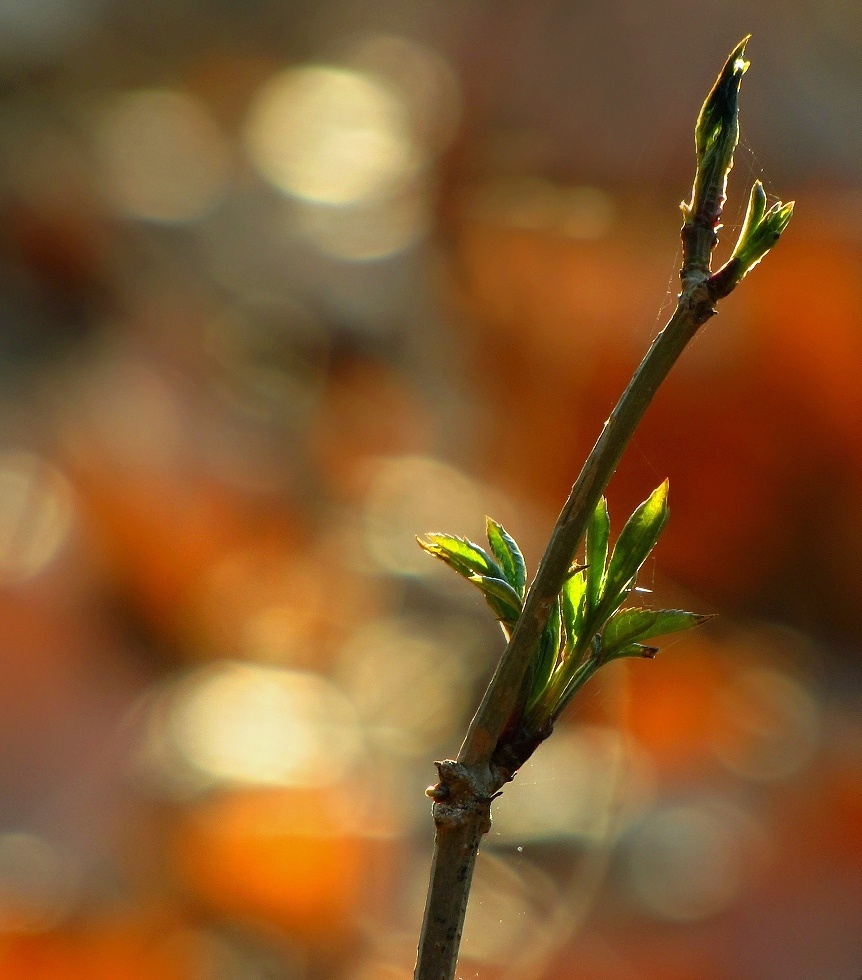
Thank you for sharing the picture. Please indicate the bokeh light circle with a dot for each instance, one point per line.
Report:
(330, 135)
(239, 723)
(36, 515)
(163, 157)
(689, 861)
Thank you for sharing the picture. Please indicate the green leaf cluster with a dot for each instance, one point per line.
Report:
(588, 625)
(501, 575)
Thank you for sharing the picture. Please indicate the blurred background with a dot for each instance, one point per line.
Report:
(285, 284)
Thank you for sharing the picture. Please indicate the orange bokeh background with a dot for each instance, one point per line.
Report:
(282, 288)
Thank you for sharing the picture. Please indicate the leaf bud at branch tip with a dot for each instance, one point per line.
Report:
(715, 136)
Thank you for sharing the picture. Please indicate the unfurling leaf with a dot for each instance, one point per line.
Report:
(631, 626)
(760, 231)
(508, 555)
(573, 600)
(465, 557)
(596, 549)
(478, 567)
(636, 541)
(501, 597)
(549, 650)
(715, 136)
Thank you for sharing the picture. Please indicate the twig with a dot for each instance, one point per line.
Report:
(462, 816)
(466, 788)
(695, 307)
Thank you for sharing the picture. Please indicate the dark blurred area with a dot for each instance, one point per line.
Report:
(283, 285)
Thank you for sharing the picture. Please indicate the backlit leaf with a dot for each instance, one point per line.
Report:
(596, 554)
(636, 541)
(633, 625)
(465, 557)
(573, 598)
(508, 555)
(500, 596)
(548, 652)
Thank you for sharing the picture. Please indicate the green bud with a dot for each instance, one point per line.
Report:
(760, 231)
(753, 213)
(715, 137)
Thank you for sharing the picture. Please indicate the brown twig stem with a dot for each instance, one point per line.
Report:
(462, 814)
(694, 308)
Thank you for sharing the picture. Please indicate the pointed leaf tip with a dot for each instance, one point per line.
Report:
(637, 539)
(735, 66)
(633, 625)
(598, 532)
(716, 134)
(719, 110)
(462, 555)
(738, 53)
(508, 555)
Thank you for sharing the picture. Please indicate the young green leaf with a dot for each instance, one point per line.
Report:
(598, 532)
(636, 541)
(508, 555)
(573, 599)
(465, 557)
(633, 650)
(501, 597)
(633, 625)
(546, 658)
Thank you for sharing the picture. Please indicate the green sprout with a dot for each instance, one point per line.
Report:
(715, 137)
(588, 625)
(760, 231)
